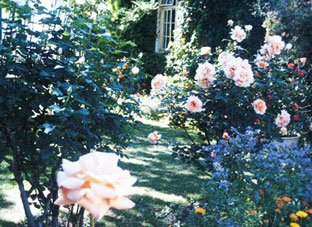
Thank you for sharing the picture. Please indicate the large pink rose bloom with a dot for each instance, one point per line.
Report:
(259, 106)
(243, 77)
(282, 119)
(224, 57)
(232, 66)
(194, 104)
(153, 137)
(96, 183)
(158, 83)
(238, 34)
(205, 75)
(275, 45)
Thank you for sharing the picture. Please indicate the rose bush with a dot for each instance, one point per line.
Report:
(217, 91)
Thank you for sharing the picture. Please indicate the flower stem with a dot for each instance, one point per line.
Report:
(92, 221)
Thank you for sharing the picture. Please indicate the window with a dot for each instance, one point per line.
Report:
(166, 23)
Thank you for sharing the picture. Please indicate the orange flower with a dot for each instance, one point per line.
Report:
(293, 217)
(279, 203)
(305, 203)
(282, 219)
(309, 211)
(200, 210)
(184, 73)
(253, 212)
(286, 199)
(277, 210)
(121, 76)
(294, 225)
(111, 79)
(291, 65)
(266, 221)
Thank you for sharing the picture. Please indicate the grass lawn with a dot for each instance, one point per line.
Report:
(161, 182)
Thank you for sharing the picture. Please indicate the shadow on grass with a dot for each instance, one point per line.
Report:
(163, 181)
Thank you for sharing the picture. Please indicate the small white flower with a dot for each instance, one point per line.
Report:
(60, 51)
(248, 28)
(80, 2)
(102, 7)
(230, 22)
(288, 46)
(135, 70)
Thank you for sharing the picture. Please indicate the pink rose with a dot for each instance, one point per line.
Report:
(96, 183)
(262, 62)
(243, 77)
(193, 104)
(205, 75)
(248, 28)
(158, 83)
(238, 34)
(230, 22)
(275, 45)
(231, 67)
(295, 106)
(153, 137)
(259, 106)
(282, 119)
(224, 57)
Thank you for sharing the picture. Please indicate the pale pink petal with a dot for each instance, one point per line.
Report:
(76, 195)
(62, 201)
(71, 167)
(72, 183)
(121, 203)
(61, 176)
(104, 192)
(96, 210)
(90, 195)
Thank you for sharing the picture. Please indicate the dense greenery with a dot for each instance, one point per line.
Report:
(65, 90)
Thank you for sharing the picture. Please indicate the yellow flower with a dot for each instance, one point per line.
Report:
(293, 217)
(248, 199)
(294, 225)
(200, 210)
(302, 214)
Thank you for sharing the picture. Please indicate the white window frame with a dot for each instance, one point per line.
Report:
(163, 9)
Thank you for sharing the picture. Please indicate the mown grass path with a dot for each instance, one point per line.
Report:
(161, 182)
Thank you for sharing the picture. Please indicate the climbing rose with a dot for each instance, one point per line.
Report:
(238, 34)
(96, 183)
(205, 50)
(153, 137)
(158, 83)
(194, 104)
(282, 119)
(295, 106)
(259, 106)
(205, 75)
(275, 45)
